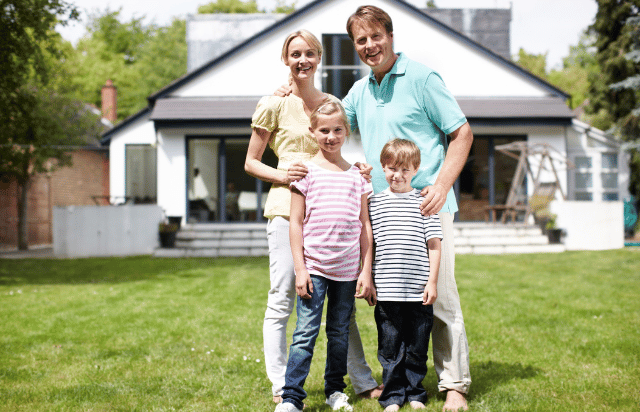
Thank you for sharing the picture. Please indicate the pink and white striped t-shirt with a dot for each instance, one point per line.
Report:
(331, 226)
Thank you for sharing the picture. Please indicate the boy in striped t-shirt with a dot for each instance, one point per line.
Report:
(405, 270)
(331, 245)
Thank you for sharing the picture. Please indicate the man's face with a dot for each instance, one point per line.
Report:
(374, 46)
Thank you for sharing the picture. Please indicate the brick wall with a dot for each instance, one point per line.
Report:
(89, 176)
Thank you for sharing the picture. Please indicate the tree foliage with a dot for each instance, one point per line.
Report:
(574, 76)
(614, 95)
(239, 6)
(284, 8)
(139, 58)
(229, 6)
(26, 28)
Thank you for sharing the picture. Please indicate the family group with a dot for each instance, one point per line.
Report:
(379, 230)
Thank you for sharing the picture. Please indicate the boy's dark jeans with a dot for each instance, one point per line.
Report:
(403, 342)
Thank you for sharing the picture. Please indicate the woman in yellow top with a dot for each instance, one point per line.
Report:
(283, 124)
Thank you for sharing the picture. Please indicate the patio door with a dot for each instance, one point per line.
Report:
(219, 190)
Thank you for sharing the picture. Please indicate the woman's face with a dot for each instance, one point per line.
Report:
(302, 59)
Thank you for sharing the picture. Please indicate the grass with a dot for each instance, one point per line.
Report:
(547, 332)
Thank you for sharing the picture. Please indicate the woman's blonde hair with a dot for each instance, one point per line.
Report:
(327, 108)
(399, 153)
(311, 40)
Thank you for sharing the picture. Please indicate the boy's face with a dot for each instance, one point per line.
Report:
(399, 177)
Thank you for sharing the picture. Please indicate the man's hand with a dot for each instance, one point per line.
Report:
(430, 294)
(284, 90)
(435, 197)
(304, 285)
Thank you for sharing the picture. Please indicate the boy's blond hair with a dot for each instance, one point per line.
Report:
(329, 107)
(400, 152)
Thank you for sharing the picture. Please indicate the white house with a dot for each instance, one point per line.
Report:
(202, 120)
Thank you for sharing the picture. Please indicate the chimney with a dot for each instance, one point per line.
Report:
(109, 97)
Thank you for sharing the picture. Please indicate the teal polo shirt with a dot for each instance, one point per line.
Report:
(412, 102)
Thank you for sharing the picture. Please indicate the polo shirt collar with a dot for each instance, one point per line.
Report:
(399, 67)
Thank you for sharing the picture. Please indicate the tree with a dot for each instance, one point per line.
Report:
(42, 140)
(26, 31)
(229, 6)
(576, 70)
(284, 8)
(614, 94)
(534, 63)
(239, 6)
(139, 58)
(38, 123)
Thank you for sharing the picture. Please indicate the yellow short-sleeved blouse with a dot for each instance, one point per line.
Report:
(290, 140)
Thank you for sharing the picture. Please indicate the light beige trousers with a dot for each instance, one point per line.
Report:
(448, 336)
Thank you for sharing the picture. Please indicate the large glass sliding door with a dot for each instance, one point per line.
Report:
(219, 190)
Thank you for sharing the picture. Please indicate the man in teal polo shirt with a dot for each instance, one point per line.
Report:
(402, 98)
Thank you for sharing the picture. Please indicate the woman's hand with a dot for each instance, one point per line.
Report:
(365, 170)
(296, 172)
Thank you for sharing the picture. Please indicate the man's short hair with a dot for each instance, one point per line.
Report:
(371, 15)
(399, 153)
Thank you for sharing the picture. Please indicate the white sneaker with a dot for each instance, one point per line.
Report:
(287, 407)
(339, 402)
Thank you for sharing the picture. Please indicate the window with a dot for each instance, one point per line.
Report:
(140, 173)
(595, 177)
(583, 178)
(609, 176)
(340, 64)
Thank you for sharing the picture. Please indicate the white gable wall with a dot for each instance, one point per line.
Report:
(257, 69)
(141, 131)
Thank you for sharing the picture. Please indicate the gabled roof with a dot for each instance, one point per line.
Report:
(309, 8)
(313, 5)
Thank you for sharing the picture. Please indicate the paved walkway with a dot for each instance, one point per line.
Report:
(33, 253)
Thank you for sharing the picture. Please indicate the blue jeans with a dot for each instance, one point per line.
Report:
(340, 303)
(403, 342)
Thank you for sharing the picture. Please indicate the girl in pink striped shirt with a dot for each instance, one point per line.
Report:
(331, 244)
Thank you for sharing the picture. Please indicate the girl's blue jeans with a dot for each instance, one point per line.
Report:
(340, 303)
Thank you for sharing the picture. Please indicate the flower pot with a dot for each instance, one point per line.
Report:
(554, 235)
(168, 239)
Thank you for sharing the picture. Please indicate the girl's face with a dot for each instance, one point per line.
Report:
(330, 132)
(302, 59)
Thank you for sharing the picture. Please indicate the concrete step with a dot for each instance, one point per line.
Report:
(250, 239)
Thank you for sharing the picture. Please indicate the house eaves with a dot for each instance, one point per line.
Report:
(174, 111)
(164, 92)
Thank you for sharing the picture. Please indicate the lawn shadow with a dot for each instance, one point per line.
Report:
(486, 376)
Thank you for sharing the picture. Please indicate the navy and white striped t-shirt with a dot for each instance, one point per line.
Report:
(400, 233)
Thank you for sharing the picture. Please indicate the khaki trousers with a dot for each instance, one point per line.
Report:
(450, 347)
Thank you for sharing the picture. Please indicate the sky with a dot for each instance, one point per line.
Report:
(537, 26)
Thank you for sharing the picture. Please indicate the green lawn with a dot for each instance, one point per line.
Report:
(547, 332)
